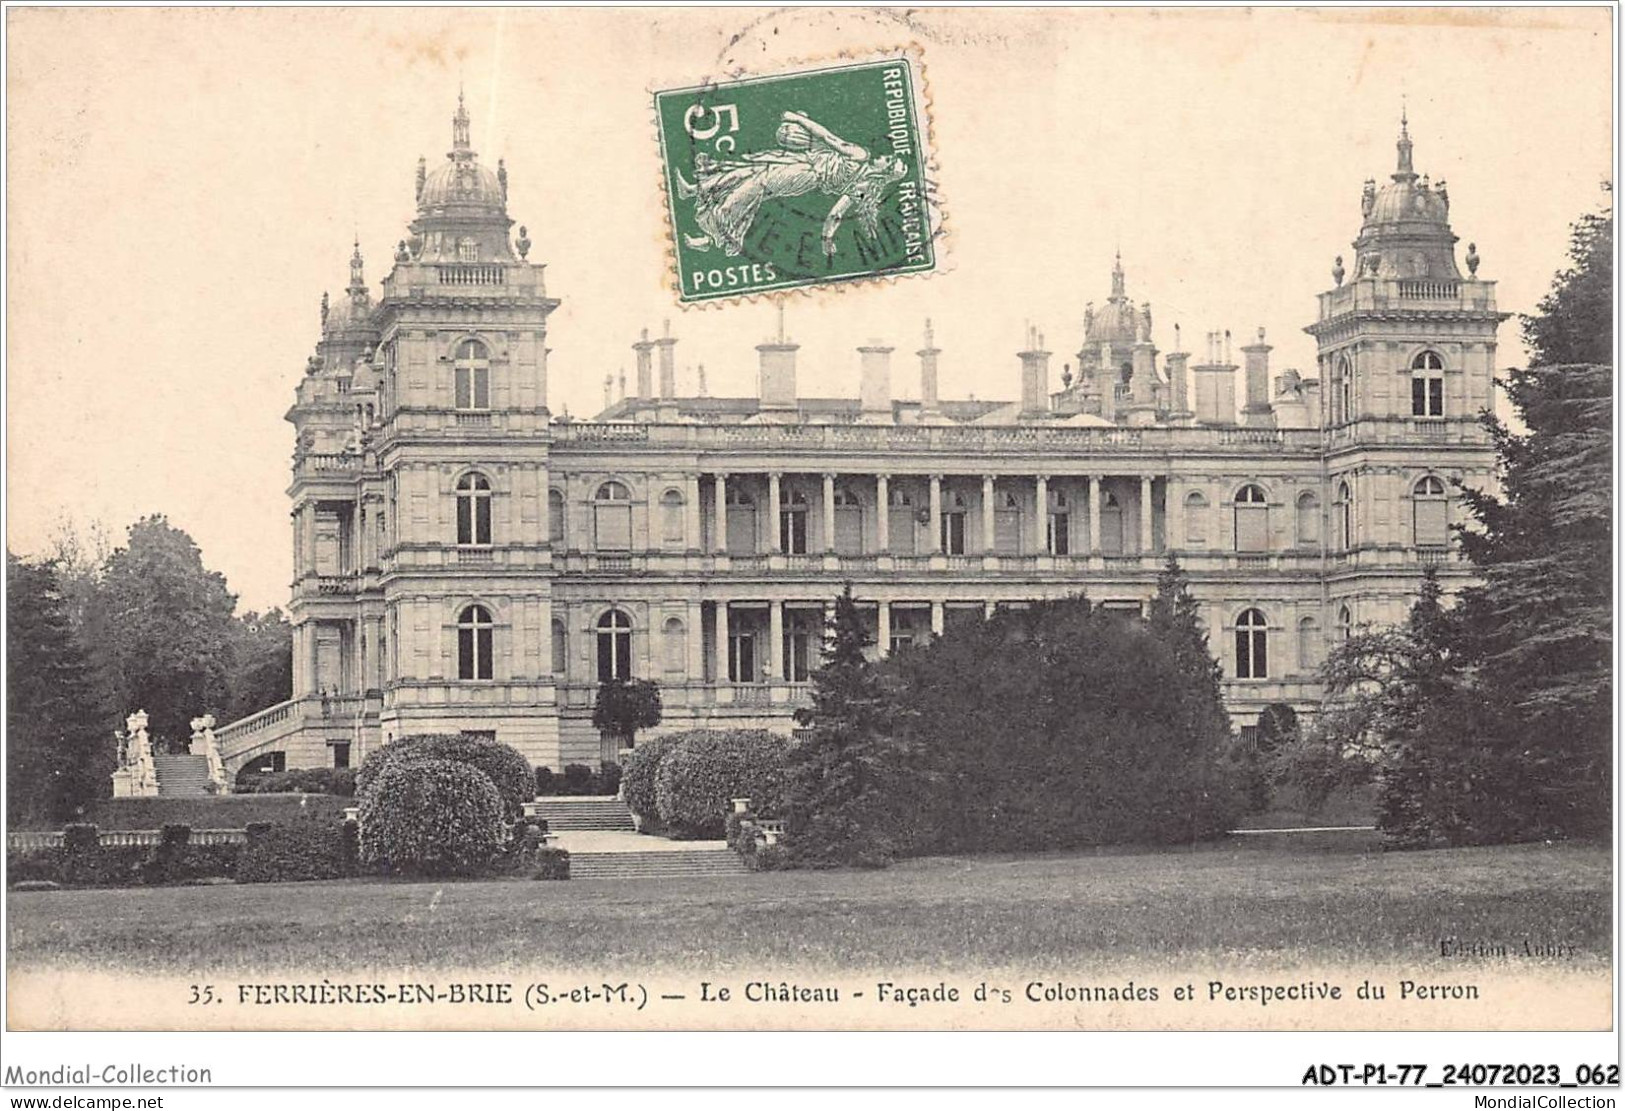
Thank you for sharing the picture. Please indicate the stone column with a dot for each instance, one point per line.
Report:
(987, 514)
(1145, 515)
(1173, 514)
(301, 673)
(829, 513)
(933, 542)
(696, 643)
(936, 619)
(719, 529)
(372, 678)
(883, 628)
(773, 536)
(1094, 514)
(310, 537)
(775, 641)
(1041, 514)
(695, 516)
(721, 671)
(883, 514)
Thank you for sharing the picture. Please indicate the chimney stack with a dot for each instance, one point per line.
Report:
(1257, 412)
(668, 364)
(776, 378)
(644, 347)
(928, 374)
(1214, 383)
(874, 383)
(1034, 375)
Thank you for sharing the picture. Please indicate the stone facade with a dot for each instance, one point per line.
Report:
(465, 560)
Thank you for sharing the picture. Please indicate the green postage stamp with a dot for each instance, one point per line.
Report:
(799, 179)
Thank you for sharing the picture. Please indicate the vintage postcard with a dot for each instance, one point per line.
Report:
(812, 519)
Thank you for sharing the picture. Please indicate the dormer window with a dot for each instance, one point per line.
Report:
(468, 249)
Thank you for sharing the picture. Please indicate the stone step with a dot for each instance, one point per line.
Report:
(181, 776)
(585, 812)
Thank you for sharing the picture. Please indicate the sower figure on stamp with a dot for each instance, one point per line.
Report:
(728, 192)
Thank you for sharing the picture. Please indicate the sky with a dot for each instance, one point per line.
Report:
(184, 184)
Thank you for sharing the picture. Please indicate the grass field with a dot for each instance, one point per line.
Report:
(1264, 905)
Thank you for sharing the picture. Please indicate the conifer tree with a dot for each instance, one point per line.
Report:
(844, 758)
(59, 739)
(1541, 622)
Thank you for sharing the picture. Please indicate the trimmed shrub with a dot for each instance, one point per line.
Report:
(546, 781)
(307, 781)
(34, 865)
(706, 768)
(609, 778)
(284, 852)
(430, 817)
(579, 780)
(638, 780)
(509, 772)
(551, 864)
(81, 837)
(110, 866)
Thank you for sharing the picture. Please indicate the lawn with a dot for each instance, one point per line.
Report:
(1265, 905)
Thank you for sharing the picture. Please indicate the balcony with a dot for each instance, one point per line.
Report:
(345, 583)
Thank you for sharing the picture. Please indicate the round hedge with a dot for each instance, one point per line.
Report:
(430, 817)
(703, 770)
(507, 770)
(638, 778)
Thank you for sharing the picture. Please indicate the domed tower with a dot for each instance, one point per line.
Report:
(1106, 361)
(1407, 349)
(462, 205)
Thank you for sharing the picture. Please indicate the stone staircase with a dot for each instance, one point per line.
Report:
(659, 865)
(592, 812)
(181, 776)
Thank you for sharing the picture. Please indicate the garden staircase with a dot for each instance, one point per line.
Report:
(182, 776)
(660, 865)
(594, 812)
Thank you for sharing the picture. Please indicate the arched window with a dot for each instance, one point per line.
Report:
(1308, 644)
(1195, 520)
(612, 518)
(1252, 646)
(672, 526)
(561, 649)
(1252, 520)
(1308, 519)
(473, 375)
(1345, 623)
(614, 646)
(674, 645)
(793, 524)
(1430, 508)
(474, 643)
(1345, 517)
(1427, 385)
(555, 518)
(1343, 391)
(473, 509)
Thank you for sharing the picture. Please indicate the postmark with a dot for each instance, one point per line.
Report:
(801, 179)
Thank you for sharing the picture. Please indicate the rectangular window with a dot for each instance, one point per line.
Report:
(1432, 522)
(797, 657)
(614, 531)
(742, 658)
(953, 533)
(1060, 534)
(341, 754)
(899, 641)
(465, 654)
(465, 393)
(465, 520)
(1419, 397)
(1435, 397)
(482, 520)
(1252, 528)
(793, 532)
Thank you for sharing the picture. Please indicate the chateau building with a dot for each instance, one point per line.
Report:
(466, 560)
